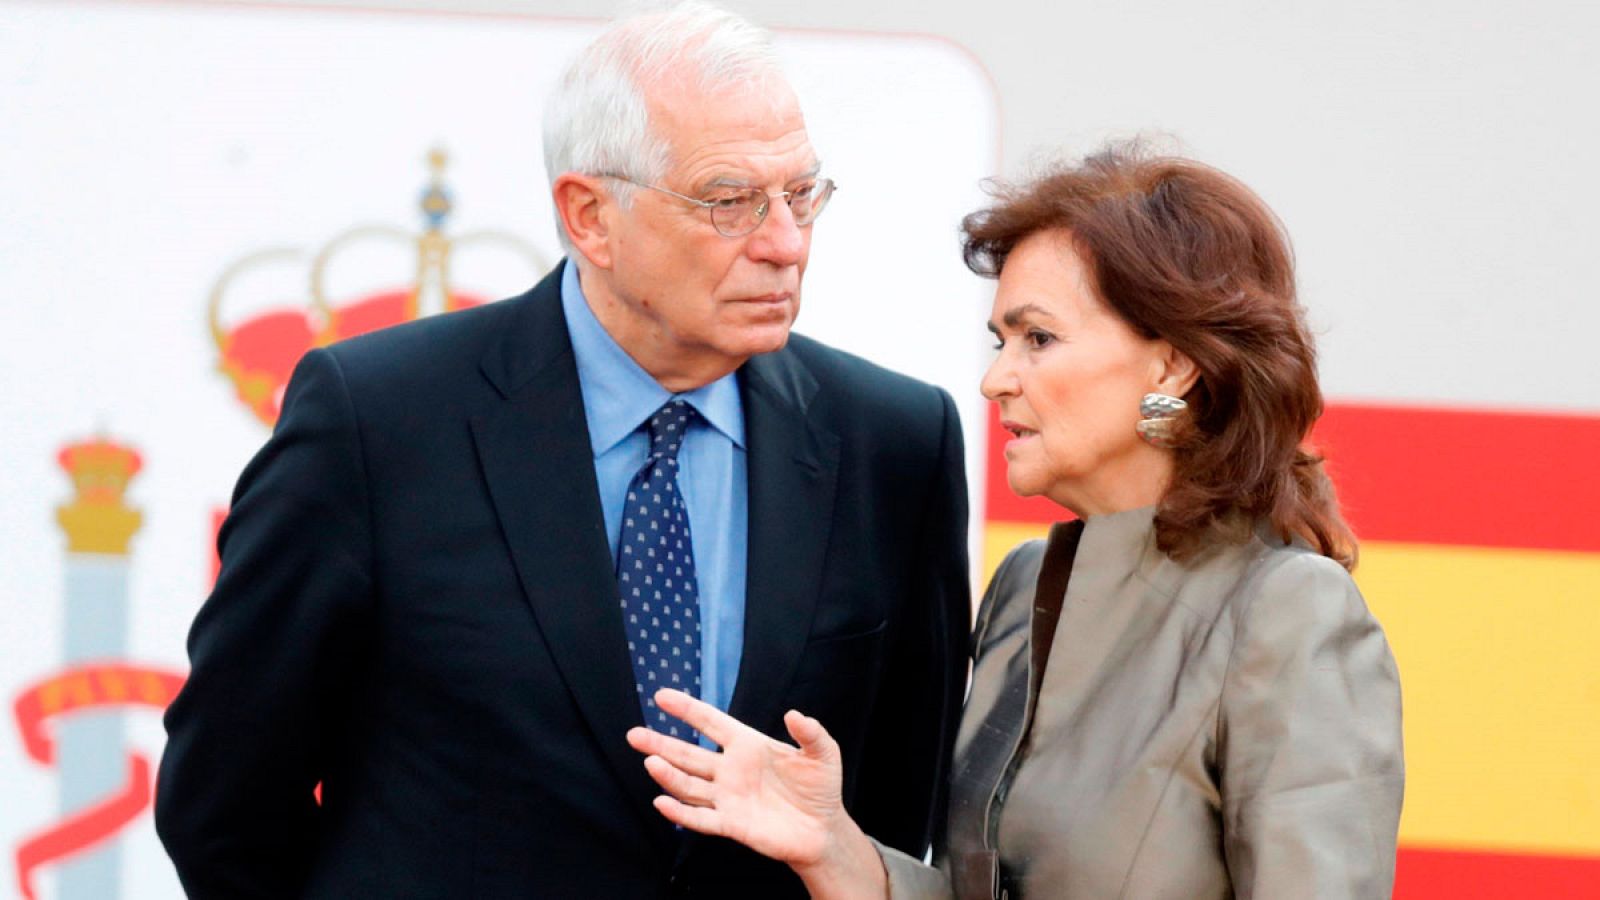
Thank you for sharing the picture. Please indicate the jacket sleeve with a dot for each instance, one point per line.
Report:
(907, 760)
(269, 652)
(912, 879)
(1309, 742)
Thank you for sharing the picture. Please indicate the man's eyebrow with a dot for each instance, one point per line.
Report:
(1016, 314)
(729, 181)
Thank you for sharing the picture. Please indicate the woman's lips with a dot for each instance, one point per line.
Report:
(1019, 434)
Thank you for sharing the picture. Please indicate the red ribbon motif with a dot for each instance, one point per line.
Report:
(94, 686)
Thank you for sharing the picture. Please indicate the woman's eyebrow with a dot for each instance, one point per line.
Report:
(1016, 314)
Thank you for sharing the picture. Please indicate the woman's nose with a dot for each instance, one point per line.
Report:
(999, 381)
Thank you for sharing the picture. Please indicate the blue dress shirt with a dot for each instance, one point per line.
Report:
(618, 396)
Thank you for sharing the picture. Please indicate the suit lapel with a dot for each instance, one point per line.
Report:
(539, 466)
(792, 468)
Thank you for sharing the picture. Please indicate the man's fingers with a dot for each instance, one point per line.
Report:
(680, 784)
(705, 718)
(694, 818)
(691, 758)
(813, 739)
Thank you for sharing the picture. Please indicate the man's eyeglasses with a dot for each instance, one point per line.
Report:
(735, 212)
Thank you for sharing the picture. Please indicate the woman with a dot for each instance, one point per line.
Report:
(1179, 694)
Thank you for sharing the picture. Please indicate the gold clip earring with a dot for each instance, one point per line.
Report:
(1161, 415)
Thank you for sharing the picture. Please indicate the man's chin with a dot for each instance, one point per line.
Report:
(767, 343)
(755, 338)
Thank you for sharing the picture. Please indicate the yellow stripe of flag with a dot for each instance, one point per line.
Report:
(1499, 655)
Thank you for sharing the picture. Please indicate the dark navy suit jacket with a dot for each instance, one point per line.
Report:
(417, 610)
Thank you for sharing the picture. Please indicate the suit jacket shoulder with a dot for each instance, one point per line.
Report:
(459, 360)
(856, 383)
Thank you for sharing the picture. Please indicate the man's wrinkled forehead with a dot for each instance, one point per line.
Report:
(763, 114)
(681, 92)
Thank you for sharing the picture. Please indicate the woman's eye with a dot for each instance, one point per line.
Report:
(1040, 339)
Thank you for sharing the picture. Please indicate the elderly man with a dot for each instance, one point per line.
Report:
(475, 544)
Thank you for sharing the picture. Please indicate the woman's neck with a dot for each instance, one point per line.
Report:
(1138, 480)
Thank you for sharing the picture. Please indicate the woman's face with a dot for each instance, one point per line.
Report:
(1068, 377)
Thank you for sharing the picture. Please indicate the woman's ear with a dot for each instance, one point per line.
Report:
(582, 203)
(1174, 372)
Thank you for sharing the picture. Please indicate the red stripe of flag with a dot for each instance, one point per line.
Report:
(1459, 875)
(1429, 475)
(1488, 479)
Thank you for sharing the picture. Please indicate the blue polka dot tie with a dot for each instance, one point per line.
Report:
(655, 572)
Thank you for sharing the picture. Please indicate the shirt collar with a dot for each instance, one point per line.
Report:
(618, 395)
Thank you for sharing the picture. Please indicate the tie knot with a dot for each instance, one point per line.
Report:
(667, 427)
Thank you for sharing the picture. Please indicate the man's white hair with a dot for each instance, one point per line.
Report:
(596, 121)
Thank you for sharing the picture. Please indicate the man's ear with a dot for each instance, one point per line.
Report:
(1174, 372)
(583, 203)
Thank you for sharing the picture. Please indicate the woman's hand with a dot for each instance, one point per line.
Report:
(778, 800)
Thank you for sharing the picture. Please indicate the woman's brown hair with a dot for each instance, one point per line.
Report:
(1185, 253)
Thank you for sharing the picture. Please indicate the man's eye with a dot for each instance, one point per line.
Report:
(729, 201)
(802, 193)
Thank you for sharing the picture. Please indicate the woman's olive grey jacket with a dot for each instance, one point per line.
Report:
(1227, 727)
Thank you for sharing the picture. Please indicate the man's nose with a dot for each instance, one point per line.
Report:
(778, 240)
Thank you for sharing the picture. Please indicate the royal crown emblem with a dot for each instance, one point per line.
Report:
(259, 351)
(97, 521)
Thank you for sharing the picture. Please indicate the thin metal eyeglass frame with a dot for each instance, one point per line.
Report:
(826, 185)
